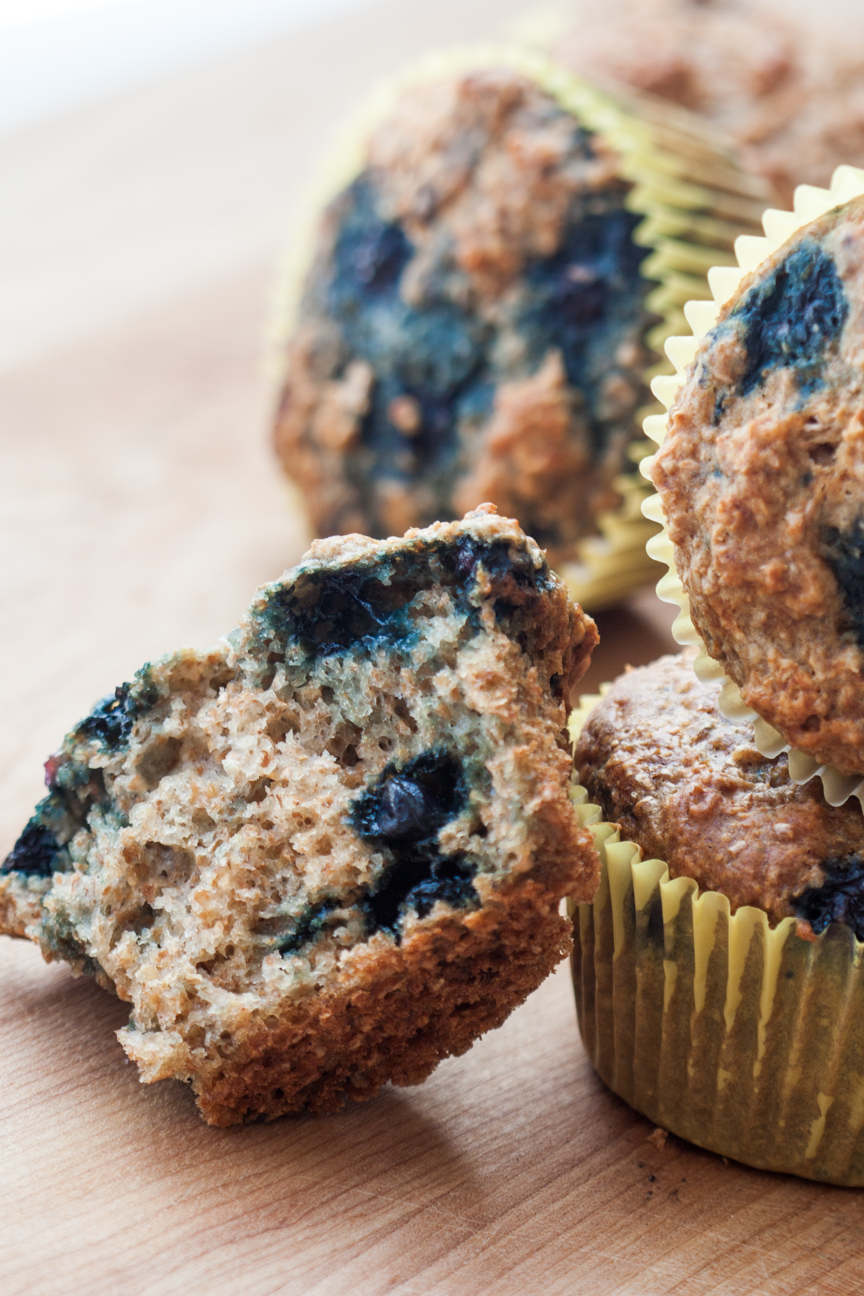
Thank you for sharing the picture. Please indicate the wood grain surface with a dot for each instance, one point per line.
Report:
(140, 508)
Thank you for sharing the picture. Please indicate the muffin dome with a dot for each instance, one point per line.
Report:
(687, 786)
(761, 477)
(472, 327)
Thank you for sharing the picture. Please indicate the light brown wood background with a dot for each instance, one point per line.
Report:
(140, 507)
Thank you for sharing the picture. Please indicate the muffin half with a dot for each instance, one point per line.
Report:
(332, 851)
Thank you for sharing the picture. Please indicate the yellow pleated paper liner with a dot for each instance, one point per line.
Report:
(742, 1038)
(695, 202)
(809, 203)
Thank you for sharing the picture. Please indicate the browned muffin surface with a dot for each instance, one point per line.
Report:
(331, 852)
(761, 476)
(687, 785)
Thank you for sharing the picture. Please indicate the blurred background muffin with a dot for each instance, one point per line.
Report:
(473, 324)
(791, 97)
(486, 301)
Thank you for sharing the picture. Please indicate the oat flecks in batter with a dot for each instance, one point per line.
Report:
(687, 785)
(762, 482)
(332, 852)
(478, 272)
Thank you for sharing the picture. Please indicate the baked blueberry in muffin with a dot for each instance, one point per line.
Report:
(331, 851)
(761, 477)
(473, 322)
(687, 785)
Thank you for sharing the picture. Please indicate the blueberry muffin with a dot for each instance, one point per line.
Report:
(686, 784)
(791, 99)
(761, 478)
(718, 972)
(332, 851)
(473, 322)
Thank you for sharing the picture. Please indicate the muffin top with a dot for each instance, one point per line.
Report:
(472, 325)
(688, 787)
(761, 477)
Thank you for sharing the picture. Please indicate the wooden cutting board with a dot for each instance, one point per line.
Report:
(140, 508)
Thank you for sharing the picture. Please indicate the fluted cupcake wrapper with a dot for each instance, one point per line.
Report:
(745, 1039)
(695, 201)
(809, 203)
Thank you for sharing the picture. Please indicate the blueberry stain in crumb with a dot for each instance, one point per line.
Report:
(792, 318)
(513, 580)
(499, 562)
(329, 611)
(844, 553)
(402, 815)
(35, 852)
(840, 899)
(332, 611)
(303, 929)
(112, 719)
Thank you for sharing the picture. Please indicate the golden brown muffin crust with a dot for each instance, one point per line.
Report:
(761, 476)
(687, 785)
